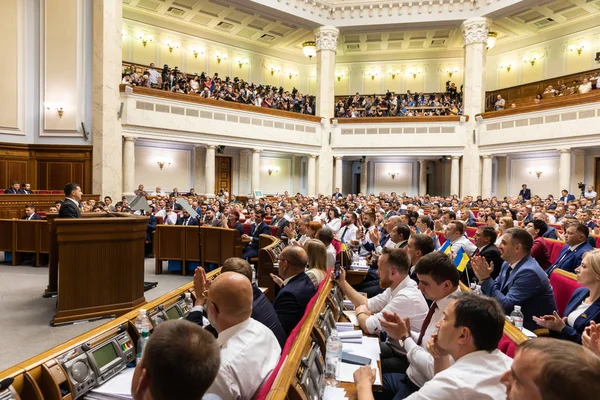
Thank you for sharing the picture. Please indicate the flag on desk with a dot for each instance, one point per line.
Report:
(446, 248)
(461, 259)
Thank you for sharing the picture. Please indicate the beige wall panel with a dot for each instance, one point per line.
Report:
(9, 66)
(277, 182)
(372, 85)
(520, 173)
(402, 182)
(173, 59)
(148, 173)
(143, 55)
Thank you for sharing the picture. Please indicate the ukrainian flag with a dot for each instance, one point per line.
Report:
(446, 248)
(461, 260)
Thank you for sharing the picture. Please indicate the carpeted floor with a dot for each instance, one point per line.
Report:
(25, 316)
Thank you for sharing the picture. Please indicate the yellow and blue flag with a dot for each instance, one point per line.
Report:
(446, 247)
(461, 260)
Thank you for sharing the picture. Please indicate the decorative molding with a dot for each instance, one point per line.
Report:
(326, 37)
(475, 30)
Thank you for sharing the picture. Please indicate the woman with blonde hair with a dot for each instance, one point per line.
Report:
(504, 224)
(317, 261)
(584, 305)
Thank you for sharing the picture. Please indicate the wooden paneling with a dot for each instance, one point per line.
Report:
(46, 167)
(13, 205)
(222, 174)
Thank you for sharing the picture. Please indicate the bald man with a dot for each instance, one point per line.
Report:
(298, 289)
(249, 350)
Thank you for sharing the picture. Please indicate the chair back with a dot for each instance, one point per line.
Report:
(563, 284)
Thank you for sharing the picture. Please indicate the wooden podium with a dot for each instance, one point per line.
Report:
(97, 265)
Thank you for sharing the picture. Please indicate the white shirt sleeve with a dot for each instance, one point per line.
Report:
(419, 358)
(225, 385)
(335, 225)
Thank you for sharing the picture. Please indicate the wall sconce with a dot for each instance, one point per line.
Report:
(145, 39)
(172, 46)
(272, 169)
(372, 74)
(531, 60)
(393, 73)
(578, 49)
(57, 107)
(451, 70)
(196, 52)
(292, 74)
(241, 62)
(507, 66)
(339, 75)
(162, 164)
(314, 75)
(220, 57)
(537, 173)
(414, 72)
(393, 174)
(274, 69)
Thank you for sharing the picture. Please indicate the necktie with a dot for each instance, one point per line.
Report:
(186, 221)
(343, 233)
(426, 322)
(476, 252)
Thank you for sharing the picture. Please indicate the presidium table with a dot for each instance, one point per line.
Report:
(96, 265)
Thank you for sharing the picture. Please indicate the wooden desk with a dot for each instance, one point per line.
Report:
(355, 277)
(13, 205)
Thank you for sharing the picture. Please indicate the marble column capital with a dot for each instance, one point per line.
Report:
(211, 146)
(339, 158)
(487, 156)
(245, 152)
(476, 30)
(455, 157)
(255, 151)
(312, 155)
(564, 150)
(326, 38)
(129, 138)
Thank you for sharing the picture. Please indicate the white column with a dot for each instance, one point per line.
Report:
(106, 72)
(199, 169)
(564, 171)
(486, 176)
(363, 177)
(326, 43)
(312, 175)
(339, 172)
(129, 164)
(210, 171)
(256, 169)
(454, 176)
(423, 177)
(245, 172)
(475, 31)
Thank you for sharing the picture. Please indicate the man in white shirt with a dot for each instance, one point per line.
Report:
(153, 76)
(590, 193)
(168, 216)
(159, 192)
(348, 230)
(325, 235)
(469, 332)
(585, 87)
(401, 296)
(455, 233)
(368, 224)
(249, 350)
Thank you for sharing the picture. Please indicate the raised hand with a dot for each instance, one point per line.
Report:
(201, 285)
(277, 280)
(395, 326)
(552, 322)
(434, 348)
(481, 268)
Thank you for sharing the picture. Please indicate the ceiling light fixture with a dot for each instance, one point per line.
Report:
(491, 41)
(309, 48)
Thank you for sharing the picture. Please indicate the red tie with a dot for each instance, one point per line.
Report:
(426, 322)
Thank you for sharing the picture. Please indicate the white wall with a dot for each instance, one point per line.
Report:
(383, 182)
(277, 182)
(547, 183)
(147, 172)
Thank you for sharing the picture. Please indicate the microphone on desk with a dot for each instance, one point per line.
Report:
(5, 383)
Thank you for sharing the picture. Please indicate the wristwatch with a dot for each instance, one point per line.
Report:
(403, 339)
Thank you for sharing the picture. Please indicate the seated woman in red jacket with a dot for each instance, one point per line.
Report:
(539, 251)
(584, 305)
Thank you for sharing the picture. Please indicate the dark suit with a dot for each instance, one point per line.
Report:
(550, 233)
(251, 249)
(68, 209)
(492, 255)
(11, 191)
(567, 198)
(292, 299)
(191, 221)
(240, 228)
(569, 260)
(336, 196)
(526, 286)
(526, 193)
(282, 223)
(34, 217)
(151, 227)
(592, 313)
(25, 191)
(591, 224)
(263, 312)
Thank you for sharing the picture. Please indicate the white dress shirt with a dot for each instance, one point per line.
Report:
(249, 353)
(464, 243)
(420, 369)
(348, 232)
(335, 225)
(473, 376)
(406, 300)
(331, 253)
(170, 219)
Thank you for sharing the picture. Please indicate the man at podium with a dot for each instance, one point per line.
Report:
(70, 206)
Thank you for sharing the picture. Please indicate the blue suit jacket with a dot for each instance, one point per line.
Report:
(567, 198)
(292, 299)
(527, 286)
(256, 231)
(550, 233)
(526, 194)
(263, 312)
(571, 259)
(592, 313)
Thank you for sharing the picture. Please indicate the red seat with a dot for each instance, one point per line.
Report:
(597, 241)
(159, 220)
(481, 223)
(337, 245)
(471, 231)
(475, 213)
(57, 191)
(563, 284)
(275, 231)
(507, 346)
(441, 237)
(246, 228)
(43, 192)
(554, 248)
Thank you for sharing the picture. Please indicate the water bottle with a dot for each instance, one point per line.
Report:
(473, 287)
(142, 321)
(189, 304)
(517, 317)
(333, 358)
(478, 290)
(141, 344)
(253, 275)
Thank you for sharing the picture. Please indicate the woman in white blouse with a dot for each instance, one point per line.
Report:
(333, 220)
(584, 305)
(317, 261)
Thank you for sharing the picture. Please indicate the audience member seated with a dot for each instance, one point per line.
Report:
(280, 220)
(576, 236)
(249, 350)
(233, 221)
(14, 188)
(186, 219)
(584, 305)
(548, 369)
(537, 228)
(347, 232)
(521, 282)
(290, 303)
(485, 237)
(325, 235)
(25, 189)
(401, 296)
(184, 368)
(169, 217)
(259, 227)
(30, 213)
(455, 233)
(469, 333)
(550, 232)
(317, 261)
(418, 246)
(504, 224)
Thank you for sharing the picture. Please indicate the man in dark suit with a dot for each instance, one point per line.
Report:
(30, 213)
(187, 220)
(259, 227)
(14, 188)
(586, 218)
(298, 289)
(566, 197)
(25, 189)
(525, 193)
(485, 237)
(70, 206)
(151, 227)
(521, 282)
(570, 256)
(280, 220)
(337, 194)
